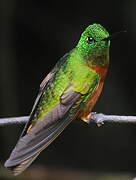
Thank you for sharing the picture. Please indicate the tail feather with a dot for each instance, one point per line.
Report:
(41, 135)
(30, 146)
(18, 169)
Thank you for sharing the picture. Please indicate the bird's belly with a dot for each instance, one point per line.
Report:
(86, 110)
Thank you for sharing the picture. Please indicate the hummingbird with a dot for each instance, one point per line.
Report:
(68, 92)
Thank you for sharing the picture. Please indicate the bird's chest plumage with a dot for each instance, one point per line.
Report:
(89, 104)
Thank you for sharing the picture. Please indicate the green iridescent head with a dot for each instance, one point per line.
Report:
(94, 44)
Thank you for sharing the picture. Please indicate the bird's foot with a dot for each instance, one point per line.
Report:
(92, 118)
(97, 118)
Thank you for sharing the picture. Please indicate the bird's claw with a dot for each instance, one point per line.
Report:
(94, 117)
(99, 124)
(97, 118)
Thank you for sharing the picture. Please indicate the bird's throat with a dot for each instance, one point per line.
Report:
(101, 70)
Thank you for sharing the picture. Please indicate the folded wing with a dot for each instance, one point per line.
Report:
(43, 133)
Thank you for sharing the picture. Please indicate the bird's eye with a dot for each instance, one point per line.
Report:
(90, 40)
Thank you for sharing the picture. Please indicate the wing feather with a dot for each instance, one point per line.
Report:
(49, 126)
(42, 134)
(43, 86)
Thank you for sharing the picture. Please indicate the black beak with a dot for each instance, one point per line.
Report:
(110, 37)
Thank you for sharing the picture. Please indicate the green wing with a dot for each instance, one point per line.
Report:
(43, 86)
(53, 122)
